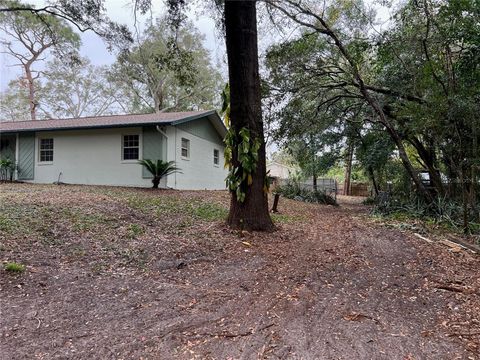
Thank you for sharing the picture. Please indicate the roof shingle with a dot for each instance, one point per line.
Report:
(101, 121)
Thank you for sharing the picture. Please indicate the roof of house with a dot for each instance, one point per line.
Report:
(110, 121)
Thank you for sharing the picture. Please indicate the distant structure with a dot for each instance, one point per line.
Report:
(280, 171)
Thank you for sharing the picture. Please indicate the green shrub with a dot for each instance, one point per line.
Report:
(14, 267)
(159, 169)
(442, 211)
(369, 201)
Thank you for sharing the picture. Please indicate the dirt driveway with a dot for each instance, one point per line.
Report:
(132, 274)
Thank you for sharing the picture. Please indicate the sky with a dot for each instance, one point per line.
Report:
(121, 11)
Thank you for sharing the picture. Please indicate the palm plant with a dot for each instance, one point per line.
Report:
(159, 169)
(7, 167)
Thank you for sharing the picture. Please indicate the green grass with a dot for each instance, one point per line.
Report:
(169, 206)
(7, 225)
(17, 219)
(14, 267)
(209, 212)
(135, 230)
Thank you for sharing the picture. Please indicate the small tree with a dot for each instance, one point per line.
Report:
(159, 169)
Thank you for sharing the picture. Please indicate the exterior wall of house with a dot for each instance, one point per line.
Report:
(199, 170)
(94, 157)
(279, 171)
(26, 156)
(154, 147)
(202, 128)
(89, 157)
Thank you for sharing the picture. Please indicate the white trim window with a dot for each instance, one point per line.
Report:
(185, 150)
(131, 147)
(45, 150)
(216, 157)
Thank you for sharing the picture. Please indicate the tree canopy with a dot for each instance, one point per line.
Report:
(416, 83)
(169, 70)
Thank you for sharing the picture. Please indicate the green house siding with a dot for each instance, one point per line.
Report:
(202, 128)
(154, 147)
(26, 156)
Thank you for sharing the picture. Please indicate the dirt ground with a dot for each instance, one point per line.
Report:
(116, 273)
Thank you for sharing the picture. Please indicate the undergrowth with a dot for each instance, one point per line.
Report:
(446, 213)
(14, 267)
(295, 191)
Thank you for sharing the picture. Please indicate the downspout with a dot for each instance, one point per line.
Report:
(17, 152)
(159, 129)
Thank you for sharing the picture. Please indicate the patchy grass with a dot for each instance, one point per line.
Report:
(208, 211)
(286, 219)
(14, 267)
(135, 230)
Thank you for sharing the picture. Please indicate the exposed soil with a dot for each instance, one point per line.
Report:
(138, 274)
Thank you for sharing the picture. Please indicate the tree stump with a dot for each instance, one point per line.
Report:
(275, 203)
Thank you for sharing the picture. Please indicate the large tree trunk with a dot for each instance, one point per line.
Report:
(245, 110)
(31, 92)
(428, 157)
(402, 153)
(374, 181)
(348, 169)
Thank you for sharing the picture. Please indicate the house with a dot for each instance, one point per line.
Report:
(104, 150)
(280, 171)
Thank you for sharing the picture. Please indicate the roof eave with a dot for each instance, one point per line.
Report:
(87, 127)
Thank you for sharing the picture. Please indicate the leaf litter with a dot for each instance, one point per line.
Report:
(135, 273)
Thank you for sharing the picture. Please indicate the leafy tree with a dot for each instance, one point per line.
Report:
(316, 116)
(333, 24)
(72, 89)
(159, 169)
(28, 37)
(417, 82)
(14, 102)
(79, 89)
(438, 61)
(85, 15)
(169, 70)
(374, 152)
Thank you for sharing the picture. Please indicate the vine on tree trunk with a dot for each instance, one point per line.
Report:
(240, 173)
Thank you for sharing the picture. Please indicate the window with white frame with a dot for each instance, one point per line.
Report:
(216, 157)
(130, 148)
(185, 148)
(45, 150)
